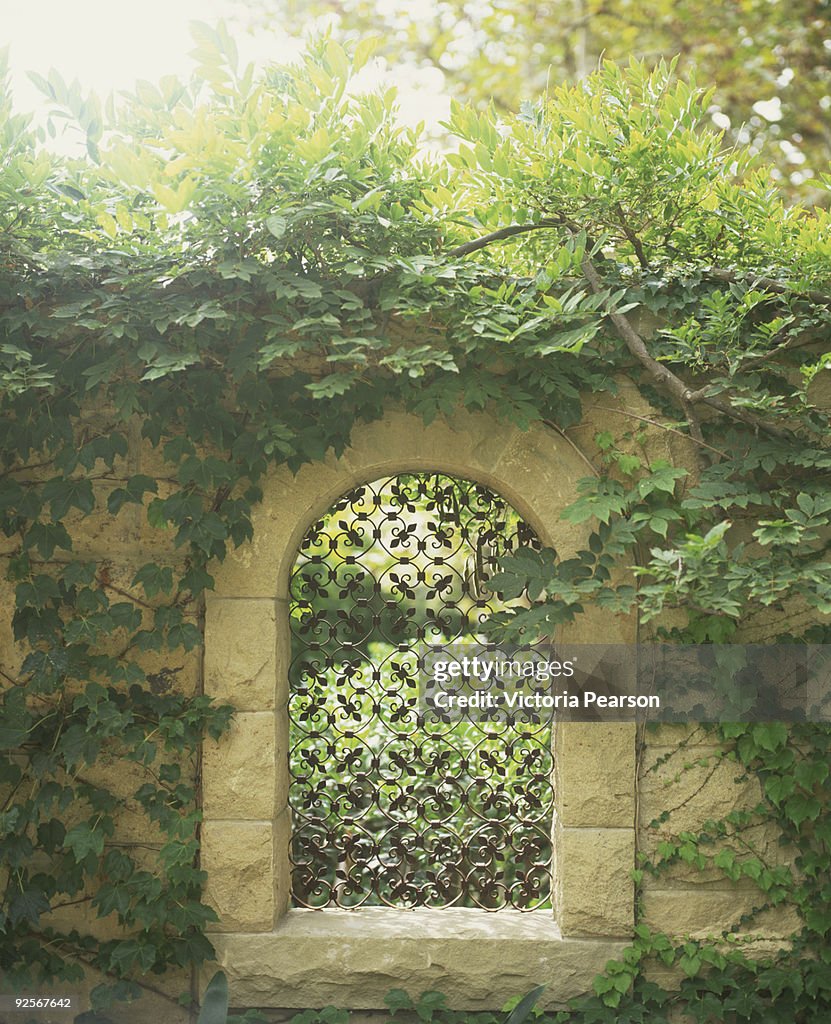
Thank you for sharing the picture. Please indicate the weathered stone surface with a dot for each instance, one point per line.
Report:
(353, 958)
(241, 652)
(592, 880)
(683, 912)
(761, 840)
(819, 390)
(261, 567)
(695, 785)
(239, 859)
(465, 444)
(594, 774)
(538, 474)
(536, 470)
(282, 864)
(238, 770)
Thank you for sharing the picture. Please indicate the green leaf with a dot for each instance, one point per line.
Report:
(771, 735)
(46, 537)
(27, 906)
(137, 486)
(524, 1007)
(214, 1008)
(398, 999)
(276, 225)
(64, 494)
(83, 840)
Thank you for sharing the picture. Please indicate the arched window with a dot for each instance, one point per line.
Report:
(393, 804)
(277, 953)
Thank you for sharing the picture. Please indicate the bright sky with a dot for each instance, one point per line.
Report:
(108, 44)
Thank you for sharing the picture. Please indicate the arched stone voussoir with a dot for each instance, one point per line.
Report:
(536, 470)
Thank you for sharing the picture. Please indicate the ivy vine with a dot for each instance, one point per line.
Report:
(242, 268)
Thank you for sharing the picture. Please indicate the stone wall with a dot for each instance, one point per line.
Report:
(612, 783)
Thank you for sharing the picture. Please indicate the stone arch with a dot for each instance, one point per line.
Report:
(298, 958)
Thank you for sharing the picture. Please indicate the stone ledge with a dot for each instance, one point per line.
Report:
(352, 959)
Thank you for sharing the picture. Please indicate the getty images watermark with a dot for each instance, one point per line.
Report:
(626, 682)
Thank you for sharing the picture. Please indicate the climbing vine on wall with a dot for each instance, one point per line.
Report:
(228, 280)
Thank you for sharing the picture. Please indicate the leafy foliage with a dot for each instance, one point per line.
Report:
(245, 268)
(768, 62)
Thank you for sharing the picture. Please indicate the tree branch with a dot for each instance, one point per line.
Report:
(676, 387)
(719, 273)
(665, 377)
(770, 284)
(632, 238)
(553, 426)
(502, 233)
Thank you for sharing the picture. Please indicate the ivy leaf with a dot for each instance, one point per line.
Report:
(778, 787)
(16, 719)
(137, 486)
(83, 840)
(63, 494)
(771, 735)
(397, 999)
(27, 906)
(154, 579)
(46, 537)
(800, 808)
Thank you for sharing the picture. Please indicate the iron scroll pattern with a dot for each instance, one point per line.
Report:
(391, 805)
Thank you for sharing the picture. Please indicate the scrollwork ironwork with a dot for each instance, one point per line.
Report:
(390, 805)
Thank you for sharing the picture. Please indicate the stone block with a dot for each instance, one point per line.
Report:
(281, 758)
(686, 912)
(261, 567)
(241, 652)
(351, 959)
(464, 444)
(238, 770)
(282, 863)
(539, 473)
(695, 786)
(594, 892)
(239, 859)
(594, 774)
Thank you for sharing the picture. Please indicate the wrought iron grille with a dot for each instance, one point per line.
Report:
(390, 805)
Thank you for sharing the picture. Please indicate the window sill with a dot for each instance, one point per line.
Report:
(353, 958)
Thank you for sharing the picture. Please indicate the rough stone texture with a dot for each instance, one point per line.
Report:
(238, 770)
(536, 470)
(594, 769)
(123, 778)
(282, 864)
(593, 882)
(281, 739)
(354, 958)
(321, 958)
(694, 785)
(238, 857)
(260, 568)
(819, 391)
(680, 912)
(241, 659)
